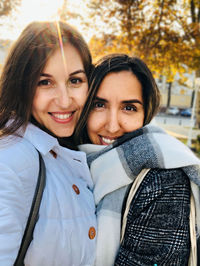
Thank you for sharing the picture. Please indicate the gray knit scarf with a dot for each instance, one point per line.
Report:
(115, 166)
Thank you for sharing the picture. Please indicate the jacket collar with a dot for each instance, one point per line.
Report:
(41, 140)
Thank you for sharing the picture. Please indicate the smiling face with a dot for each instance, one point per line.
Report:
(61, 92)
(118, 108)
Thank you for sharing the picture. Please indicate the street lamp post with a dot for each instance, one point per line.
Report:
(192, 120)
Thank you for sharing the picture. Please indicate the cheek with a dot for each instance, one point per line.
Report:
(36, 103)
(40, 100)
(81, 97)
(94, 124)
(91, 123)
(96, 121)
(133, 123)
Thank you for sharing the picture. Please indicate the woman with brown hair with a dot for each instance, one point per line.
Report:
(146, 183)
(43, 88)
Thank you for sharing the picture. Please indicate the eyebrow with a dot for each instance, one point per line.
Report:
(125, 101)
(71, 74)
(133, 101)
(100, 99)
(77, 72)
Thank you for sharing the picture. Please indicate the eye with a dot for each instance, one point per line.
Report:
(75, 81)
(98, 105)
(44, 82)
(130, 108)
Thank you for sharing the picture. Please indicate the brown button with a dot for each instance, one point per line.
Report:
(53, 153)
(76, 189)
(92, 233)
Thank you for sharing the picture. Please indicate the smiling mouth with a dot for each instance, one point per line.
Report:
(106, 140)
(62, 117)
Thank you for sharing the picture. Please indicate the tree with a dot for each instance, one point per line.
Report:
(169, 94)
(6, 6)
(192, 36)
(164, 33)
(66, 14)
(146, 28)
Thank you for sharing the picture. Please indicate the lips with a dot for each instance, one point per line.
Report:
(106, 140)
(62, 117)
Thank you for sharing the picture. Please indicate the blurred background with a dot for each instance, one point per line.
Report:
(164, 33)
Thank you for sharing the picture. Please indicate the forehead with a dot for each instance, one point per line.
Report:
(123, 84)
(67, 56)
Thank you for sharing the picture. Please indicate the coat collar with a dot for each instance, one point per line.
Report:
(41, 140)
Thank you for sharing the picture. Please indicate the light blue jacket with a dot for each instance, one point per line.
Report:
(61, 235)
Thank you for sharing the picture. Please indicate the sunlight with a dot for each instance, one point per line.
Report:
(39, 10)
(61, 46)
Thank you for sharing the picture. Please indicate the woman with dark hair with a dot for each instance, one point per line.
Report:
(43, 88)
(146, 183)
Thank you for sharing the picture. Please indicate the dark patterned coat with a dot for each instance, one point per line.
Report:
(157, 230)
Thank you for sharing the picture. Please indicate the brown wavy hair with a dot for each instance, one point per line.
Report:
(22, 68)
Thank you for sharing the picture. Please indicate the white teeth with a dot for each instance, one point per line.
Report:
(62, 116)
(108, 141)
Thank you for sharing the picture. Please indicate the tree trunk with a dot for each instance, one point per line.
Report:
(169, 94)
(192, 99)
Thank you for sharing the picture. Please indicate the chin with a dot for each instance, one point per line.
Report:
(62, 134)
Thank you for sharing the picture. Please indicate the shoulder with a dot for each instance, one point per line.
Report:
(160, 182)
(167, 177)
(18, 153)
(162, 187)
(19, 168)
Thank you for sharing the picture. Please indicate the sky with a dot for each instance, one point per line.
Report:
(39, 10)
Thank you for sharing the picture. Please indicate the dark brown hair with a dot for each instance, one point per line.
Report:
(117, 63)
(25, 62)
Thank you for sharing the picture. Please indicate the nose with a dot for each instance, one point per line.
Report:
(112, 125)
(63, 96)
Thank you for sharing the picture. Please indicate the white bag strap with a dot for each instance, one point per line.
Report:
(131, 194)
(193, 239)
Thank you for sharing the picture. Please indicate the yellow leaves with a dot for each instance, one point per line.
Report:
(159, 32)
(7, 6)
(117, 44)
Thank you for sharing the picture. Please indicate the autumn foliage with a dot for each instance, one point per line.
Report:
(165, 33)
(6, 6)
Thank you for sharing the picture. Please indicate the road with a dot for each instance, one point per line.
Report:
(174, 120)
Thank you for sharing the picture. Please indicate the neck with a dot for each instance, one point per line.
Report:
(67, 142)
